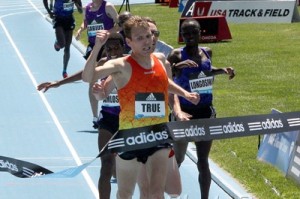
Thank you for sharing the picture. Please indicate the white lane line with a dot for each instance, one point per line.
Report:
(53, 115)
(15, 13)
(39, 11)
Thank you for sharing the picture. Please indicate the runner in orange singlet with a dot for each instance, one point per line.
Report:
(143, 104)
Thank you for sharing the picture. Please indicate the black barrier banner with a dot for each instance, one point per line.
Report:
(231, 127)
(21, 169)
(150, 136)
(140, 138)
(204, 129)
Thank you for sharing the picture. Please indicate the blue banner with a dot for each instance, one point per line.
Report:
(277, 149)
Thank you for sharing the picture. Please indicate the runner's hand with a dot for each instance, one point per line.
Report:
(98, 90)
(47, 85)
(230, 72)
(193, 98)
(101, 37)
(182, 116)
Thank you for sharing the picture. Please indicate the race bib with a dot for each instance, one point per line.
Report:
(68, 6)
(201, 83)
(111, 101)
(149, 105)
(93, 28)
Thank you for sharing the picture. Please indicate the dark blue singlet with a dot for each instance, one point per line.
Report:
(204, 77)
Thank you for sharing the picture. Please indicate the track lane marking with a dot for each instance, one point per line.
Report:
(50, 110)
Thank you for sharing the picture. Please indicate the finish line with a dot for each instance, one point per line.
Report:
(150, 136)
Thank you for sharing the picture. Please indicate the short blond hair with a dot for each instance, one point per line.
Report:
(134, 22)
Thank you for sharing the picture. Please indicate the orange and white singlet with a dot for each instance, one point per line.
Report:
(144, 99)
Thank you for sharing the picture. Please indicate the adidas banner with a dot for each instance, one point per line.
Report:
(21, 169)
(140, 138)
(222, 128)
(150, 136)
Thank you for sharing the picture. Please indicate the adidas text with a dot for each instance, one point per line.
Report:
(194, 131)
(8, 165)
(233, 128)
(144, 138)
(272, 124)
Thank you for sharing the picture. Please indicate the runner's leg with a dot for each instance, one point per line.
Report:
(107, 165)
(126, 177)
(157, 168)
(93, 103)
(173, 184)
(204, 178)
(68, 41)
(60, 36)
(180, 148)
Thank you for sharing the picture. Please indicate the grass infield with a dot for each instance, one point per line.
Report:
(266, 61)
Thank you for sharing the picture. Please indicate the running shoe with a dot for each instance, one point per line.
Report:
(56, 46)
(65, 74)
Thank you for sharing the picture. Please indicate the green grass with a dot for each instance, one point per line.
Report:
(266, 60)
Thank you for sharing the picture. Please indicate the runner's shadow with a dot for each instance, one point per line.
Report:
(88, 131)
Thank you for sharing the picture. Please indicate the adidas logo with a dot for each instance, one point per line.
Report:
(201, 75)
(151, 97)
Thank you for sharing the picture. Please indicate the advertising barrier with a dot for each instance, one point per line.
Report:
(245, 11)
(282, 150)
(150, 136)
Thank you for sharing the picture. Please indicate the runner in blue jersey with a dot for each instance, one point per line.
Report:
(64, 24)
(98, 15)
(194, 72)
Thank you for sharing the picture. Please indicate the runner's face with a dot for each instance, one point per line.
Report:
(114, 49)
(190, 34)
(141, 40)
(155, 34)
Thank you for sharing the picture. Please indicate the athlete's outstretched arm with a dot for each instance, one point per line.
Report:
(175, 89)
(47, 85)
